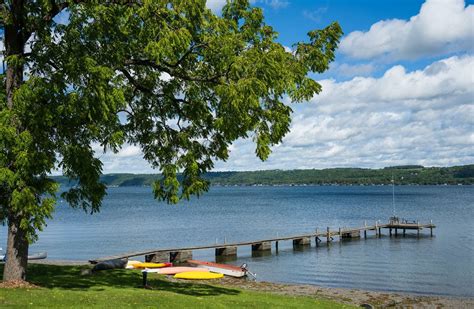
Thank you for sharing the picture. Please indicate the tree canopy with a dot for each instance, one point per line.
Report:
(169, 76)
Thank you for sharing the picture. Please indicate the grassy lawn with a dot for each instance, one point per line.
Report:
(64, 286)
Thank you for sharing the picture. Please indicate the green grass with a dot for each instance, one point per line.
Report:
(64, 286)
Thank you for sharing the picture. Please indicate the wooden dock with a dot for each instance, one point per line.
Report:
(230, 249)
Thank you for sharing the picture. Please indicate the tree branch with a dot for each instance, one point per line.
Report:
(135, 83)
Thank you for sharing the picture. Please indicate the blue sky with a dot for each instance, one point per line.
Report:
(401, 90)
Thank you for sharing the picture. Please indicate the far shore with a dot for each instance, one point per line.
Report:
(378, 299)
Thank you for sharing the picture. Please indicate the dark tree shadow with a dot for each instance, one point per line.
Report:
(72, 278)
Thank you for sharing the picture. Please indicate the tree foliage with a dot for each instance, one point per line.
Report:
(169, 76)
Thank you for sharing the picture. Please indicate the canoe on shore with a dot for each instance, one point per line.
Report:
(228, 270)
(196, 275)
(176, 270)
(151, 265)
(35, 256)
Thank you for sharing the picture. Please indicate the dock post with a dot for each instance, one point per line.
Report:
(376, 229)
(396, 232)
(316, 238)
(404, 232)
(365, 230)
(328, 235)
(305, 241)
(390, 232)
(431, 228)
(276, 246)
(158, 257)
(226, 251)
(262, 246)
(181, 256)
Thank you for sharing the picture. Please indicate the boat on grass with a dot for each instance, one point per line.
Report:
(35, 256)
(151, 265)
(198, 275)
(176, 270)
(228, 270)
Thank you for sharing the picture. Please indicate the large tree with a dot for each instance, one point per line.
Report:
(169, 76)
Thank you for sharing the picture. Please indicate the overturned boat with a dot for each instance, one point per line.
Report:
(228, 270)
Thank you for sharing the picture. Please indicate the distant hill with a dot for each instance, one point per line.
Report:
(403, 175)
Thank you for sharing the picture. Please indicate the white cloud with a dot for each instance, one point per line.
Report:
(420, 117)
(441, 27)
(129, 151)
(165, 77)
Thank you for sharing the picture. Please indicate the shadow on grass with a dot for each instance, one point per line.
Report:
(70, 278)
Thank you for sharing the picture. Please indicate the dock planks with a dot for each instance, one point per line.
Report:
(328, 234)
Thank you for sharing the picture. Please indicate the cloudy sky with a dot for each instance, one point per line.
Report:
(401, 90)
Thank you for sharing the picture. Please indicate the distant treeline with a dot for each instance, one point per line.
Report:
(403, 175)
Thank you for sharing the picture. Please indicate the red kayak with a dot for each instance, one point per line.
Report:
(229, 270)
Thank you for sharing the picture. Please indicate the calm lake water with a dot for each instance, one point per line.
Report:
(131, 220)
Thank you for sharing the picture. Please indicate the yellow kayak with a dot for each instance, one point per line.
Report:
(130, 264)
(151, 265)
(198, 275)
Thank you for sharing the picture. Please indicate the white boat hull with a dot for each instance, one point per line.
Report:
(224, 271)
(36, 256)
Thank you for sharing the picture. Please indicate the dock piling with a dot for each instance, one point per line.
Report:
(181, 256)
(262, 246)
(304, 241)
(226, 251)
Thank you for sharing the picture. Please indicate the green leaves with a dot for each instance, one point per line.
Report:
(169, 76)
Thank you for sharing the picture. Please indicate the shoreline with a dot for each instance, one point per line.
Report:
(352, 296)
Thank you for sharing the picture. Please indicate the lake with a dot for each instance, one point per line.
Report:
(131, 220)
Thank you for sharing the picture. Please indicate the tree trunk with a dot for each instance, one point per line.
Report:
(15, 38)
(17, 252)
